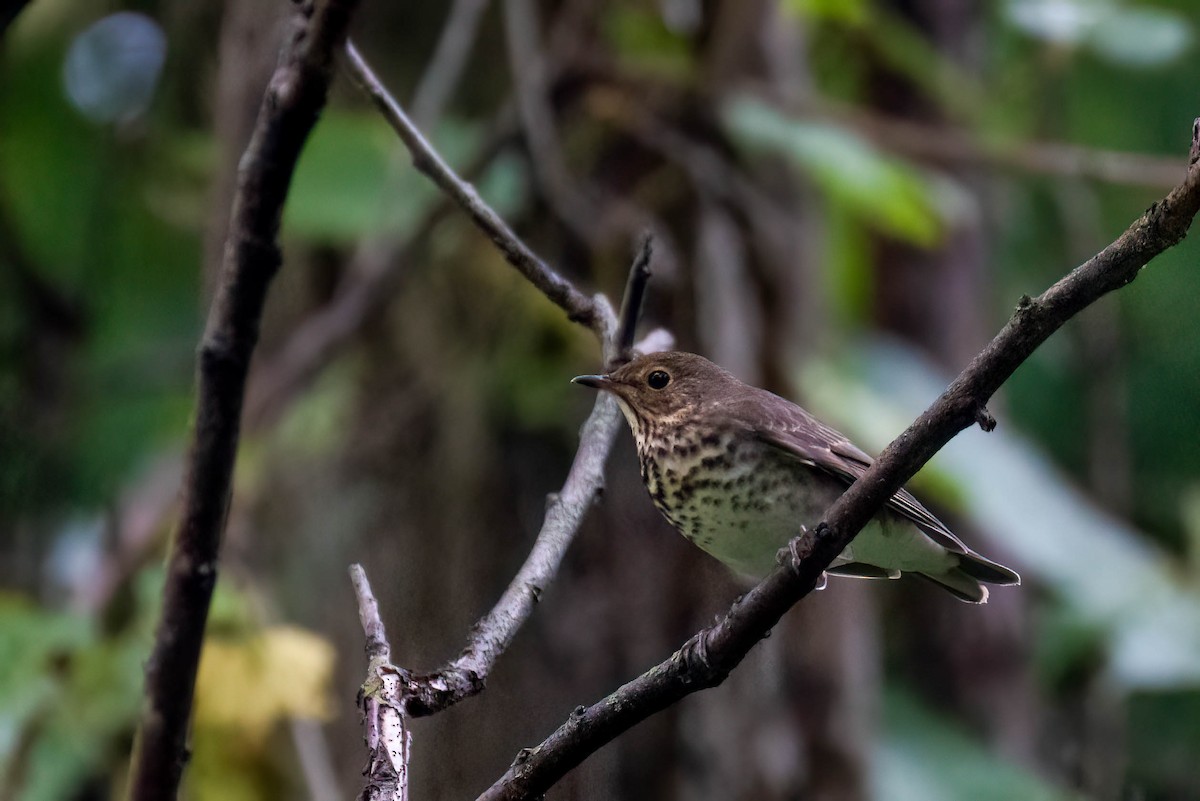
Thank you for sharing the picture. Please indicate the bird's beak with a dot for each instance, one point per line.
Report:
(593, 381)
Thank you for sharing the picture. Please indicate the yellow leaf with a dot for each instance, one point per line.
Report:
(248, 684)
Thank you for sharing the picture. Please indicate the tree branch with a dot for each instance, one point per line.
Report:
(706, 659)
(292, 102)
(388, 738)
(490, 637)
(631, 301)
(592, 312)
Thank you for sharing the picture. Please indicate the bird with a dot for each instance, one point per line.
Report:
(740, 471)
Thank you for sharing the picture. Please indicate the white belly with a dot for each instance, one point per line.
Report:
(761, 506)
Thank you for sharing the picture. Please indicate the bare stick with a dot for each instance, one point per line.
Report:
(389, 741)
(293, 99)
(706, 659)
(631, 302)
(579, 307)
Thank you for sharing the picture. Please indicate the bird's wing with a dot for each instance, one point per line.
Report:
(800, 436)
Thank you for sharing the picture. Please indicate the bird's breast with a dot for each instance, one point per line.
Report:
(731, 494)
(704, 481)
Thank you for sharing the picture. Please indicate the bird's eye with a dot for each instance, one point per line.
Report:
(658, 379)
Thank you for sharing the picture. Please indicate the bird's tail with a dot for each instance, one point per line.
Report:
(986, 570)
(960, 584)
(966, 581)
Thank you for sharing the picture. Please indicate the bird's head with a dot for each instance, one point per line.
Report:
(661, 387)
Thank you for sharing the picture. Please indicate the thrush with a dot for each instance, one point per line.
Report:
(739, 471)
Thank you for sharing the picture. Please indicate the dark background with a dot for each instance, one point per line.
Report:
(848, 198)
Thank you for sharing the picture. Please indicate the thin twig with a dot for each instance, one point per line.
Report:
(293, 99)
(377, 644)
(491, 636)
(707, 658)
(389, 742)
(632, 300)
(580, 308)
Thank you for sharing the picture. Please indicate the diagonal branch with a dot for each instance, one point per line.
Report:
(711, 654)
(631, 303)
(592, 312)
(293, 99)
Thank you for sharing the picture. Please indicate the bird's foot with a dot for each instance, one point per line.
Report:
(694, 652)
(795, 557)
(797, 552)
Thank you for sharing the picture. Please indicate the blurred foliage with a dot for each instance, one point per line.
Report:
(922, 756)
(107, 165)
(67, 694)
(247, 685)
(880, 192)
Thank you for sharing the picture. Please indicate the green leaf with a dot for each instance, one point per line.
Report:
(355, 178)
(1132, 36)
(884, 192)
(1063, 22)
(342, 179)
